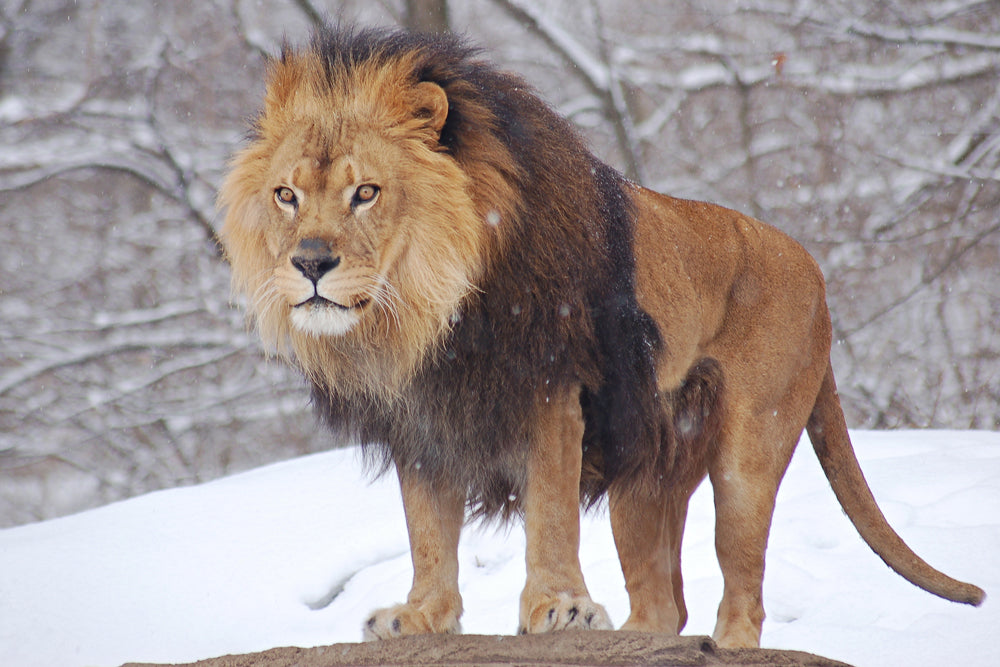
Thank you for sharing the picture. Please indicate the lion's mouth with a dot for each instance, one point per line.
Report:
(317, 301)
(319, 316)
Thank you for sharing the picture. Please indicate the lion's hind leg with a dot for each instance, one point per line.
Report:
(752, 454)
(434, 518)
(648, 513)
(648, 532)
(555, 596)
(743, 508)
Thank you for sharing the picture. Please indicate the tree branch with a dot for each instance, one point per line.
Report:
(599, 77)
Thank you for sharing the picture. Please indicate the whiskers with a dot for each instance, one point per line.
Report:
(265, 309)
(265, 296)
(386, 298)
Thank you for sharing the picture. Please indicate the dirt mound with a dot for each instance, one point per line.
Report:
(580, 649)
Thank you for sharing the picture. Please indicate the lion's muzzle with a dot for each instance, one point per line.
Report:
(323, 306)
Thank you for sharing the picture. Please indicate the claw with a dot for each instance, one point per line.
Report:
(567, 613)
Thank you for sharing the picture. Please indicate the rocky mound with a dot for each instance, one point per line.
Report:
(580, 649)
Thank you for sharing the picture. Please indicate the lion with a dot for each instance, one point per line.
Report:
(518, 330)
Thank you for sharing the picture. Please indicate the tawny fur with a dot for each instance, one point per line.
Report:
(517, 329)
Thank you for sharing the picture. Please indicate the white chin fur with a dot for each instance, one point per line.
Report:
(330, 321)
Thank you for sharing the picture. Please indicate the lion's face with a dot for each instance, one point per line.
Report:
(347, 227)
(338, 227)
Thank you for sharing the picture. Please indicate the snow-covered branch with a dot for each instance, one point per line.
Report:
(600, 76)
(932, 35)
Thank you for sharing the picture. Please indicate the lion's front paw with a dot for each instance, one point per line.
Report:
(407, 619)
(565, 612)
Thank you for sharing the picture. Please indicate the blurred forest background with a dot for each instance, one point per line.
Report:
(868, 131)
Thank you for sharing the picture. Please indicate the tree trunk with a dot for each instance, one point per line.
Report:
(426, 15)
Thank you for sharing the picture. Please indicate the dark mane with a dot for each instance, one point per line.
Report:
(556, 305)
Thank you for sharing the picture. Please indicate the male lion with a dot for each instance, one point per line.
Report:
(518, 329)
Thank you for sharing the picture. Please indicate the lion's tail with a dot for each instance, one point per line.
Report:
(828, 432)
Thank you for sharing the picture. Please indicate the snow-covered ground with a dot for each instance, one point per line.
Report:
(299, 552)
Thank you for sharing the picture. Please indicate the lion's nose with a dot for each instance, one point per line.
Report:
(313, 258)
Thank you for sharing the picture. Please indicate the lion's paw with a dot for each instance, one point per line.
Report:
(406, 619)
(565, 612)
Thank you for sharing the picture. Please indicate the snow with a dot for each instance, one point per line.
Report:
(299, 552)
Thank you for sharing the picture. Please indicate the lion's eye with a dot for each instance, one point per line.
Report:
(365, 194)
(286, 196)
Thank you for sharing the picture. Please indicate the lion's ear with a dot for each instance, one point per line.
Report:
(429, 104)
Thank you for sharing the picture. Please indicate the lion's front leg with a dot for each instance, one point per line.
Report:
(435, 513)
(555, 596)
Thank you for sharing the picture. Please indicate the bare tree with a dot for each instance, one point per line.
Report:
(595, 69)
(426, 15)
